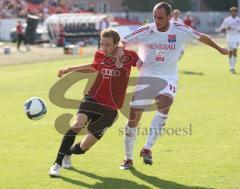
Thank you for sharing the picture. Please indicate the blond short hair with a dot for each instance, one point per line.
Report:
(176, 11)
(233, 9)
(111, 33)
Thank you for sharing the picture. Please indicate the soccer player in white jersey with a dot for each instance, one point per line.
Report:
(176, 19)
(231, 25)
(159, 48)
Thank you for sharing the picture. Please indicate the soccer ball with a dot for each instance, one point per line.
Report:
(35, 108)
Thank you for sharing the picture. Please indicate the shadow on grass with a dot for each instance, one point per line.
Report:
(103, 182)
(108, 182)
(192, 73)
(237, 73)
(160, 183)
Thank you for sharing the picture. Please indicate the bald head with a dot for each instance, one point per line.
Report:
(165, 6)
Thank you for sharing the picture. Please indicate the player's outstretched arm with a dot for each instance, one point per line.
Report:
(83, 68)
(210, 42)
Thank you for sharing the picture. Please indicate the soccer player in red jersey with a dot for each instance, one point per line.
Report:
(98, 108)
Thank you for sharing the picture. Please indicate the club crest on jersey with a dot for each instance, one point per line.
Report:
(125, 59)
(171, 38)
(109, 61)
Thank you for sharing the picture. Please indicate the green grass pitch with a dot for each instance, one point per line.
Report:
(207, 99)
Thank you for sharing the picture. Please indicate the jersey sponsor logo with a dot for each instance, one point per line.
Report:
(170, 46)
(110, 73)
(171, 38)
(160, 55)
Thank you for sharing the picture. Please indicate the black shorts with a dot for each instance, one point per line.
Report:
(99, 116)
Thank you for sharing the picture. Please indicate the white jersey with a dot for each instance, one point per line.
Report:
(160, 51)
(179, 21)
(232, 26)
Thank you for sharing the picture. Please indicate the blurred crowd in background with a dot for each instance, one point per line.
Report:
(41, 8)
(42, 19)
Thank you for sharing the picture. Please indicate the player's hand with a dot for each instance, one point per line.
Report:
(119, 51)
(119, 62)
(62, 72)
(119, 54)
(223, 51)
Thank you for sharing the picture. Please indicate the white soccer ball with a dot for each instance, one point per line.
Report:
(35, 108)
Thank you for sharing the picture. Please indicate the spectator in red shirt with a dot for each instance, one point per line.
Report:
(21, 36)
(189, 20)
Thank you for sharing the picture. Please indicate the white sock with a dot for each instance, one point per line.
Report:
(231, 62)
(158, 122)
(130, 137)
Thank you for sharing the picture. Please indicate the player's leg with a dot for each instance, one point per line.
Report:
(100, 118)
(82, 120)
(232, 58)
(164, 101)
(234, 61)
(19, 41)
(142, 100)
(67, 142)
(86, 113)
(70, 136)
(231, 61)
(81, 147)
(87, 142)
(130, 135)
(96, 129)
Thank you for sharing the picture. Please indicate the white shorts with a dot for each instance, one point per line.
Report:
(148, 88)
(232, 45)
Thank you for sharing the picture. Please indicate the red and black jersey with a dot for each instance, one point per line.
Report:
(110, 85)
